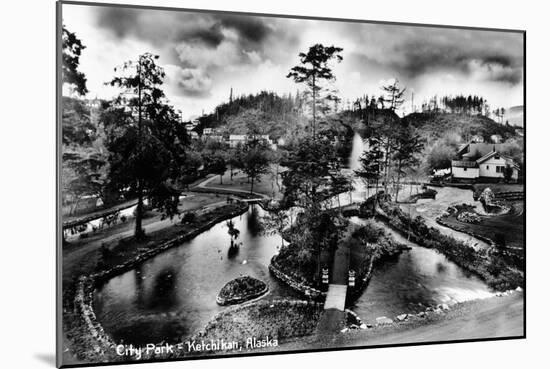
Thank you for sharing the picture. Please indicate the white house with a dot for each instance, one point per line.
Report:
(235, 140)
(464, 169)
(482, 160)
(493, 165)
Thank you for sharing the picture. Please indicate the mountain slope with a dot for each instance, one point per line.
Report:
(436, 125)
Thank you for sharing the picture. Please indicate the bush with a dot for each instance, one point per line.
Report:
(189, 217)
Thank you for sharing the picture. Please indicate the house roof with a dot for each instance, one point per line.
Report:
(237, 137)
(464, 164)
(478, 150)
(509, 161)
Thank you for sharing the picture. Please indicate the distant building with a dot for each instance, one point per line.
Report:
(207, 131)
(235, 140)
(93, 103)
(482, 160)
(194, 135)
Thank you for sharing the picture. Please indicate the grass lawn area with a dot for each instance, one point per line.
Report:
(511, 225)
(267, 184)
(198, 200)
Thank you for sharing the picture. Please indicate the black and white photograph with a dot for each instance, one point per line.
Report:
(234, 184)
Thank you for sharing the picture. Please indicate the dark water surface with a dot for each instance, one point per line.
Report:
(185, 280)
(417, 278)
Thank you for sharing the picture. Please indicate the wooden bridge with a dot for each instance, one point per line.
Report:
(334, 316)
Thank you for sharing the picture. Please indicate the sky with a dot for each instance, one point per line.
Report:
(204, 55)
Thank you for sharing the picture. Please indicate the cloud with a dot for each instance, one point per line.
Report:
(191, 82)
(250, 29)
(210, 36)
(207, 54)
(415, 51)
(166, 27)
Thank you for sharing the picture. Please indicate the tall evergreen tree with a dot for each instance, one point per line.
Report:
(145, 140)
(313, 70)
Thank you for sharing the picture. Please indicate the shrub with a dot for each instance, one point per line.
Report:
(189, 217)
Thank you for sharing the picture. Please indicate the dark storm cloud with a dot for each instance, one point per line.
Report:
(416, 51)
(169, 26)
(210, 36)
(201, 45)
(249, 28)
(421, 57)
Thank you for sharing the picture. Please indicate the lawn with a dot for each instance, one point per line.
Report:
(511, 225)
(267, 184)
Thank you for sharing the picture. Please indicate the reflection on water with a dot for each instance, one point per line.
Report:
(186, 279)
(414, 280)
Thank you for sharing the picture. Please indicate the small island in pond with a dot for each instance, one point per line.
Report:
(240, 290)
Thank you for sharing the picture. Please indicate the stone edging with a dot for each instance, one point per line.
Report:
(83, 301)
(363, 282)
(300, 287)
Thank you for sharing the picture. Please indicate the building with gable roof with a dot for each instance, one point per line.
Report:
(483, 161)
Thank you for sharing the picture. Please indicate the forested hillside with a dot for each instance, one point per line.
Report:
(280, 117)
(434, 125)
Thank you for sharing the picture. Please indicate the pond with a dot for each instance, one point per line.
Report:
(186, 280)
(417, 278)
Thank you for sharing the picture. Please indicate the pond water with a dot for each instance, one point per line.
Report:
(186, 280)
(417, 276)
